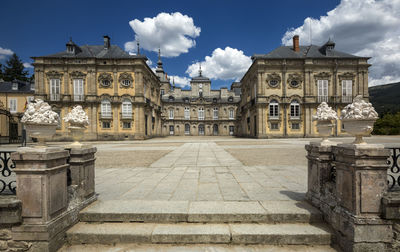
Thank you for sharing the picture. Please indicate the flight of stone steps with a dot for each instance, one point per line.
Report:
(117, 223)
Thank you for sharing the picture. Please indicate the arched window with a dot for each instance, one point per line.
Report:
(201, 113)
(126, 109)
(187, 129)
(294, 109)
(105, 109)
(231, 114)
(215, 114)
(274, 109)
(187, 113)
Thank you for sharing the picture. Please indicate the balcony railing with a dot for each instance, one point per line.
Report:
(322, 99)
(274, 117)
(294, 117)
(54, 97)
(79, 97)
(126, 115)
(347, 99)
(105, 115)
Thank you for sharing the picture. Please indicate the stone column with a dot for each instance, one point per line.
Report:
(361, 181)
(319, 171)
(82, 167)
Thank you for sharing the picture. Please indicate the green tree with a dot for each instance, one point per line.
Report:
(1, 71)
(14, 69)
(389, 124)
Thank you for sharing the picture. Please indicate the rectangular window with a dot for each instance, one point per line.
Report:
(187, 113)
(126, 125)
(274, 126)
(54, 89)
(296, 126)
(294, 111)
(231, 114)
(322, 90)
(13, 105)
(215, 114)
(15, 86)
(171, 129)
(78, 89)
(347, 91)
(162, 92)
(187, 129)
(126, 110)
(106, 125)
(274, 110)
(105, 109)
(171, 113)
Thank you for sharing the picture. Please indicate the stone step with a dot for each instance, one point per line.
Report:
(201, 212)
(196, 248)
(196, 233)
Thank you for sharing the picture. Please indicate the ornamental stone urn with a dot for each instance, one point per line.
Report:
(324, 117)
(78, 120)
(358, 119)
(40, 121)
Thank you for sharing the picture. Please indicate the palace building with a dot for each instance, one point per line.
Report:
(282, 89)
(125, 99)
(119, 92)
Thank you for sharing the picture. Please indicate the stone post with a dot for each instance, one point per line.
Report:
(42, 188)
(361, 181)
(82, 167)
(319, 170)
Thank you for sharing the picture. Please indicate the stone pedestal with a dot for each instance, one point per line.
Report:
(82, 167)
(361, 182)
(319, 170)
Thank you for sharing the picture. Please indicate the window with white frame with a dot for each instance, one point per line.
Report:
(171, 113)
(294, 110)
(231, 114)
(201, 113)
(106, 109)
(106, 125)
(215, 114)
(15, 86)
(78, 89)
(274, 109)
(54, 89)
(13, 105)
(187, 113)
(322, 90)
(347, 90)
(231, 130)
(126, 109)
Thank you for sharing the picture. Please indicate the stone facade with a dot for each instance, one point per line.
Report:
(199, 111)
(282, 89)
(118, 91)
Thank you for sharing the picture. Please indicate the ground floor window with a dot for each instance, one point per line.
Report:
(295, 125)
(274, 126)
(201, 129)
(106, 125)
(171, 129)
(231, 130)
(187, 129)
(215, 129)
(126, 125)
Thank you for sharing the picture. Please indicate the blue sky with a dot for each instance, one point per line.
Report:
(36, 28)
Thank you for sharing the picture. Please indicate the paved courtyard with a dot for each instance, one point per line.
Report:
(206, 169)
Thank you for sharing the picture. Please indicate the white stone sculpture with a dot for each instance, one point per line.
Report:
(78, 121)
(324, 117)
(40, 121)
(358, 119)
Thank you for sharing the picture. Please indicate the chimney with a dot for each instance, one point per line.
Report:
(106, 42)
(296, 47)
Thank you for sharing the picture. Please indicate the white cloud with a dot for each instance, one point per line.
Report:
(223, 64)
(180, 81)
(174, 33)
(27, 65)
(364, 28)
(5, 52)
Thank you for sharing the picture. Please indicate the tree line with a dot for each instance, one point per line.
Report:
(14, 70)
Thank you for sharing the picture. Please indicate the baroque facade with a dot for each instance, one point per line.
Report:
(282, 89)
(125, 99)
(118, 91)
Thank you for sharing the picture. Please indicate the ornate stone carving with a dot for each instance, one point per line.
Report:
(274, 80)
(125, 80)
(295, 80)
(54, 75)
(322, 76)
(77, 75)
(105, 80)
(347, 76)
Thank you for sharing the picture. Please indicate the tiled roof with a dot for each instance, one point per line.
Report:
(23, 87)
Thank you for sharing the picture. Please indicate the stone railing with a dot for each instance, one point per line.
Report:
(47, 202)
(347, 182)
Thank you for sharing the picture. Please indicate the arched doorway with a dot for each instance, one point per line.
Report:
(215, 129)
(201, 130)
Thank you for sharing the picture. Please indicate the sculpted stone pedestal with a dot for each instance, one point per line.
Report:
(82, 167)
(361, 182)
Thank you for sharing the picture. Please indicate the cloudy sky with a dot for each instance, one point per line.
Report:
(221, 35)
